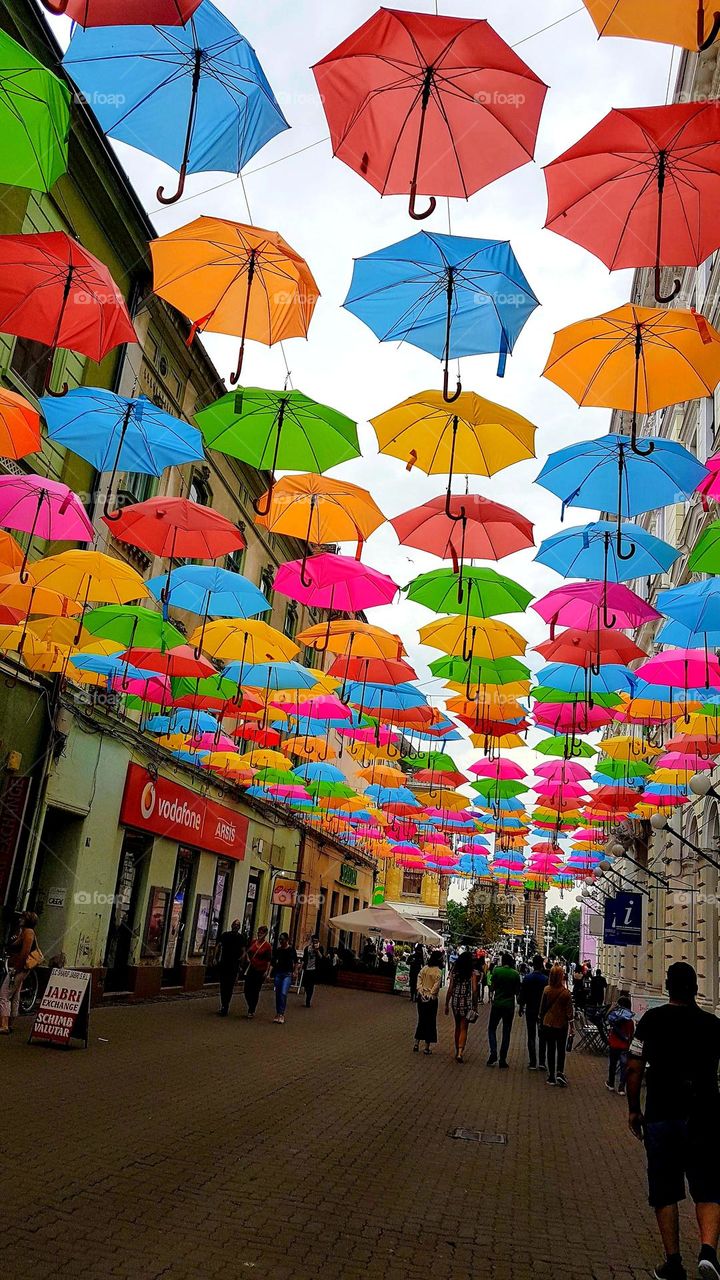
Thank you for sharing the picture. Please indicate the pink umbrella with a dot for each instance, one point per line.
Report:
(682, 669)
(566, 791)
(709, 486)
(336, 582)
(44, 509)
(326, 707)
(586, 834)
(502, 769)
(589, 605)
(564, 717)
(691, 763)
(562, 771)
(154, 689)
(213, 742)
(442, 860)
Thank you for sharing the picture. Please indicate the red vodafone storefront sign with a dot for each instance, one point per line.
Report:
(161, 806)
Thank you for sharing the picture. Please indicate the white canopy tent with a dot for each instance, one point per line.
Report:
(387, 922)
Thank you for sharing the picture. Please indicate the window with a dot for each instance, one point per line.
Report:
(31, 360)
(266, 581)
(200, 490)
(290, 624)
(135, 487)
(235, 560)
(412, 884)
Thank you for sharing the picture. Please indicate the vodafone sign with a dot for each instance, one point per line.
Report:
(161, 806)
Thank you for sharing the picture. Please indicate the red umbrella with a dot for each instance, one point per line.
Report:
(176, 528)
(372, 670)
(642, 188)
(125, 13)
(422, 103)
(53, 291)
(590, 649)
(488, 530)
(179, 661)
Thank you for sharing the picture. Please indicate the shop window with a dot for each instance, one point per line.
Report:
(235, 560)
(412, 884)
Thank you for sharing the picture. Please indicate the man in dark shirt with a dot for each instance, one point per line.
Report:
(533, 985)
(676, 1049)
(598, 988)
(232, 948)
(504, 987)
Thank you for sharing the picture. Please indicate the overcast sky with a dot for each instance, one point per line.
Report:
(330, 215)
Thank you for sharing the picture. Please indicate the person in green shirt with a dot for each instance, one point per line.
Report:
(504, 989)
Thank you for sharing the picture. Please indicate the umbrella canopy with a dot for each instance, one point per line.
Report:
(176, 528)
(34, 119)
(198, 98)
(115, 433)
(132, 625)
(388, 922)
(473, 637)
(597, 550)
(705, 555)
(90, 577)
(590, 648)
(335, 582)
(641, 188)
(55, 292)
(206, 589)
(429, 105)
(271, 429)
(451, 296)
(692, 24)
(235, 279)
(42, 508)
(105, 13)
(584, 604)
(488, 530)
(248, 642)
(486, 592)
(19, 426)
(636, 358)
(320, 509)
(346, 636)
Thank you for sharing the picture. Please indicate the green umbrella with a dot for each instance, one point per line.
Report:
(213, 691)
(557, 745)
(285, 429)
(440, 761)
(279, 777)
(330, 790)
(486, 593)
(34, 120)
(132, 626)
(541, 693)
(624, 769)
(705, 555)
(491, 788)
(480, 670)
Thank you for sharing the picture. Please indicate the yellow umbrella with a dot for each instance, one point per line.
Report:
(505, 741)
(320, 509)
(443, 798)
(264, 758)
(625, 747)
(473, 637)
(382, 775)
(310, 748)
(247, 641)
(350, 637)
(90, 577)
(31, 597)
(692, 24)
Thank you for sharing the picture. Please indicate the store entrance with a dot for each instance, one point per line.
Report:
(177, 924)
(124, 923)
(218, 914)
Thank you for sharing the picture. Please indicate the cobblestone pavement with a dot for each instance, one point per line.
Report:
(183, 1145)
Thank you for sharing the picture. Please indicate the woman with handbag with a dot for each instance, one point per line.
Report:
(462, 995)
(557, 1015)
(23, 954)
(429, 980)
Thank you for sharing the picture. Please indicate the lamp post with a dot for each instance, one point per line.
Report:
(659, 823)
(549, 934)
(527, 935)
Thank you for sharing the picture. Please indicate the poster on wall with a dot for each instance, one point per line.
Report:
(285, 892)
(64, 1011)
(155, 923)
(201, 924)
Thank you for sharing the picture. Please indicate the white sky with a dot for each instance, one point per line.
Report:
(330, 215)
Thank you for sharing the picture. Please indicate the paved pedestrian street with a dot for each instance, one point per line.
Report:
(184, 1145)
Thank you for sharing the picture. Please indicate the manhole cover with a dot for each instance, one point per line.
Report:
(477, 1135)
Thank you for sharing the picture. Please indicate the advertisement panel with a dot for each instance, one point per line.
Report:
(167, 809)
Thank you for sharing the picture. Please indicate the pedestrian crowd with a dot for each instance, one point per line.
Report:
(257, 960)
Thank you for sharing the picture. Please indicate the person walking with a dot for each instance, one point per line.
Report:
(428, 985)
(416, 964)
(283, 968)
(504, 989)
(229, 954)
(312, 955)
(22, 954)
(598, 989)
(259, 955)
(462, 997)
(621, 1029)
(531, 991)
(557, 1016)
(676, 1050)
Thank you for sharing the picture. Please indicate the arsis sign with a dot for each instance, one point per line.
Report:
(161, 806)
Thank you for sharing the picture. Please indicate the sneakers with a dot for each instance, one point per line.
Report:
(610, 1087)
(671, 1269)
(622, 1090)
(503, 1066)
(708, 1265)
(491, 1061)
(561, 1082)
(550, 1080)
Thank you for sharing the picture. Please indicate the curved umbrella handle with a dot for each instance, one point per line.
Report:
(46, 384)
(160, 193)
(665, 297)
(641, 453)
(258, 507)
(419, 217)
(450, 399)
(623, 555)
(704, 42)
(192, 113)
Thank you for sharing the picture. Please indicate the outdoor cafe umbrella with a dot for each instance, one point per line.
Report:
(451, 296)
(197, 97)
(429, 104)
(387, 922)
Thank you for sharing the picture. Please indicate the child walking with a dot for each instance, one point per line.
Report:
(621, 1029)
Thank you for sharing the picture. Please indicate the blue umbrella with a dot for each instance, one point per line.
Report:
(318, 772)
(612, 678)
(145, 83)
(696, 605)
(204, 589)
(680, 637)
(607, 475)
(115, 433)
(190, 757)
(388, 697)
(183, 720)
(271, 675)
(590, 551)
(451, 296)
(392, 795)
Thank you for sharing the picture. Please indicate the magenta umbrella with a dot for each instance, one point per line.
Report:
(589, 605)
(692, 763)
(502, 769)
(44, 509)
(336, 582)
(682, 669)
(562, 771)
(151, 689)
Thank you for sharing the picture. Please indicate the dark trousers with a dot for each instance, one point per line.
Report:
(228, 978)
(505, 1016)
(253, 987)
(535, 1040)
(309, 985)
(556, 1040)
(617, 1058)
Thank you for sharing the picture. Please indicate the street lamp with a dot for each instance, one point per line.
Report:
(549, 933)
(528, 933)
(659, 823)
(702, 786)
(619, 851)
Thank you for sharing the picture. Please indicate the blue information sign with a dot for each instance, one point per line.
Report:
(623, 925)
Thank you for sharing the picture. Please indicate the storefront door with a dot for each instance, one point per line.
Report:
(218, 909)
(179, 909)
(253, 893)
(124, 923)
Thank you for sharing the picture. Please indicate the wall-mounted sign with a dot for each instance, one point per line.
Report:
(284, 892)
(348, 875)
(161, 806)
(623, 925)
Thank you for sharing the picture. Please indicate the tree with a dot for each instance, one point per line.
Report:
(486, 917)
(456, 920)
(567, 933)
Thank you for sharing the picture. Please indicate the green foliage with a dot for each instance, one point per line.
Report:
(456, 920)
(486, 917)
(567, 933)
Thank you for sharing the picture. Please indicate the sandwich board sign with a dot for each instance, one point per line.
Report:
(64, 1012)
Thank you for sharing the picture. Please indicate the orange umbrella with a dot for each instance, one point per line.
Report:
(347, 636)
(11, 553)
(692, 24)
(19, 426)
(234, 279)
(319, 510)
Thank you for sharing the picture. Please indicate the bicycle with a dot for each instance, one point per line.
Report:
(29, 992)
